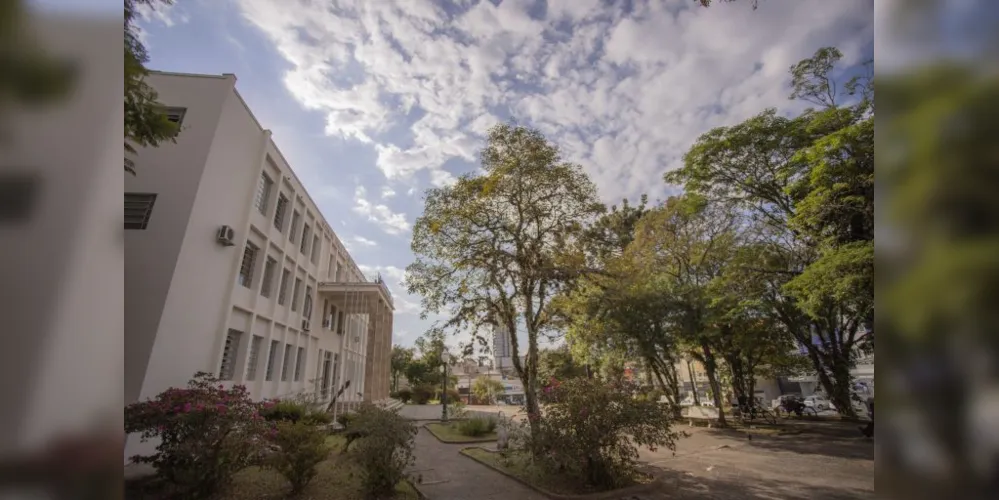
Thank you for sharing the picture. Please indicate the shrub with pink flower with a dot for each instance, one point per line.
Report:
(207, 433)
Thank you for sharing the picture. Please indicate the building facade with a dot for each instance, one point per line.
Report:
(502, 349)
(231, 268)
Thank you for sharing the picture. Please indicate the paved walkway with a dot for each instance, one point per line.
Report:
(448, 475)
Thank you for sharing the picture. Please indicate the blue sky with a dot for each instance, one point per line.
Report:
(374, 101)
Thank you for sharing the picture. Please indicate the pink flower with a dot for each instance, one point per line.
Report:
(187, 407)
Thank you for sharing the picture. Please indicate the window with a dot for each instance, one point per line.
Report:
(263, 193)
(282, 205)
(283, 290)
(305, 239)
(299, 363)
(296, 219)
(295, 294)
(339, 322)
(286, 365)
(229, 350)
(329, 270)
(138, 208)
(307, 308)
(339, 267)
(252, 358)
(271, 356)
(315, 250)
(246, 268)
(176, 115)
(265, 285)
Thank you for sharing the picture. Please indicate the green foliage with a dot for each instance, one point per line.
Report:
(385, 451)
(806, 184)
(400, 361)
(296, 450)
(207, 433)
(487, 389)
(592, 430)
(476, 426)
(558, 363)
(283, 410)
(146, 124)
(318, 418)
(405, 395)
(422, 394)
(493, 248)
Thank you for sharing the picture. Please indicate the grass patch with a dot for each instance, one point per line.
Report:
(520, 466)
(449, 434)
(338, 477)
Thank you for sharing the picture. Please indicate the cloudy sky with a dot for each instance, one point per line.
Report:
(373, 101)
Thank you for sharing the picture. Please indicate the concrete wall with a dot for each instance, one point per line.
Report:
(174, 172)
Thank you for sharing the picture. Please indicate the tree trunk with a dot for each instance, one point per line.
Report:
(711, 368)
(693, 384)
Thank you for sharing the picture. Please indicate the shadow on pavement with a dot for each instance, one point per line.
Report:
(833, 445)
(680, 485)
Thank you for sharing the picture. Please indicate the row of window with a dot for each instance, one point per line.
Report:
(261, 201)
(290, 369)
(246, 274)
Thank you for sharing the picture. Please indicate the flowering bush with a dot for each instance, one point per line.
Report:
(405, 395)
(207, 433)
(385, 449)
(591, 430)
(296, 449)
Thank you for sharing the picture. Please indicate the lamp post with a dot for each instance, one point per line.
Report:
(444, 360)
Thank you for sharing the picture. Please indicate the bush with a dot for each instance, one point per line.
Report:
(405, 395)
(344, 419)
(590, 430)
(296, 450)
(453, 396)
(476, 426)
(318, 418)
(385, 449)
(422, 394)
(288, 411)
(207, 433)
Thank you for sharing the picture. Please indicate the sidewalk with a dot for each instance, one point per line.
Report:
(449, 475)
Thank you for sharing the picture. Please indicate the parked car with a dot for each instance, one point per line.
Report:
(818, 402)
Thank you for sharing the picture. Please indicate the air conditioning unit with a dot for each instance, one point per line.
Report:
(225, 236)
(305, 325)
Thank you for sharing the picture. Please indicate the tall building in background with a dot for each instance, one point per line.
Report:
(231, 268)
(502, 350)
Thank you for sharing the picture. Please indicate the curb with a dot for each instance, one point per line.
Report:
(657, 483)
(464, 441)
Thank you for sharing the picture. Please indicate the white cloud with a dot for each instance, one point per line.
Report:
(361, 240)
(387, 192)
(624, 94)
(390, 222)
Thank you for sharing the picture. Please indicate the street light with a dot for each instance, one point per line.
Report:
(444, 360)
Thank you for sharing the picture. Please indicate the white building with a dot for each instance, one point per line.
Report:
(231, 268)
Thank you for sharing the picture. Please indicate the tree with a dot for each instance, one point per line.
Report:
(559, 364)
(808, 182)
(146, 124)
(487, 389)
(684, 247)
(400, 361)
(494, 248)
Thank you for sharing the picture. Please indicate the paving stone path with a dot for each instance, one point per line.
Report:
(448, 475)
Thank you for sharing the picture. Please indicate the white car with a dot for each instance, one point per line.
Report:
(819, 403)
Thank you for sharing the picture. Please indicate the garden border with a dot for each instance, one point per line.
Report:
(658, 481)
(469, 441)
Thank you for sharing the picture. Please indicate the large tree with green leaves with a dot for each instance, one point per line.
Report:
(493, 249)
(807, 181)
(146, 124)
